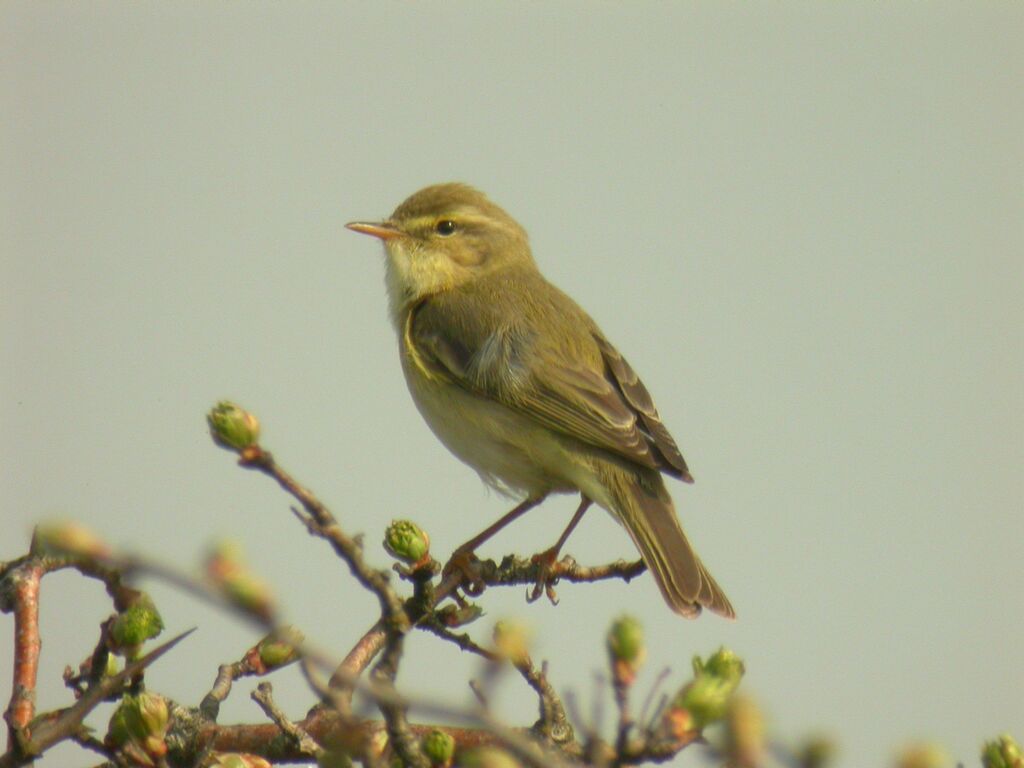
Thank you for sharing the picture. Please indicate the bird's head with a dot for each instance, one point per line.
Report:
(442, 237)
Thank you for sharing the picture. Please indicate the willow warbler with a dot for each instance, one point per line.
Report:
(518, 382)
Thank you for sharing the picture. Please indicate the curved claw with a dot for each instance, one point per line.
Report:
(547, 577)
(473, 587)
(552, 596)
(463, 563)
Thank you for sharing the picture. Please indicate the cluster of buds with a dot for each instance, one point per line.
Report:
(626, 649)
(232, 427)
(68, 538)
(137, 622)
(406, 541)
(439, 748)
(705, 699)
(138, 728)
(226, 568)
(275, 650)
(1003, 752)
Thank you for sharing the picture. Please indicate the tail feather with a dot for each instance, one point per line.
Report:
(645, 509)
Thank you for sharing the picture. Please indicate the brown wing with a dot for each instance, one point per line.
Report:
(596, 398)
(636, 394)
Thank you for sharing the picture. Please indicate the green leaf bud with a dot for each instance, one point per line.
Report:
(439, 747)
(705, 698)
(232, 427)
(406, 541)
(723, 664)
(136, 624)
(1003, 752)
(228, 572)
(279, 648)
(626, 640)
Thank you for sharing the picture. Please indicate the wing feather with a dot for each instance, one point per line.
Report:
(604, 405)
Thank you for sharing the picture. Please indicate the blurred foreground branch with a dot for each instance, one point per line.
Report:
(149, 729)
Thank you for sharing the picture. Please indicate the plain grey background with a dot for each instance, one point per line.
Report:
(801, 222)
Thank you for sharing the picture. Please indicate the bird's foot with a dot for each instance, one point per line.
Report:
(465, 565)
(548, 571)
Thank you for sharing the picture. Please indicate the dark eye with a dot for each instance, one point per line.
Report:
(445, 227)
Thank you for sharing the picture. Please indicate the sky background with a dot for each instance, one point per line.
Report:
(800, 222)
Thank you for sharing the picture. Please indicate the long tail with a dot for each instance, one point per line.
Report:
(645, 509)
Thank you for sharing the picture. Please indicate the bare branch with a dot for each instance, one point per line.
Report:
(264, 696)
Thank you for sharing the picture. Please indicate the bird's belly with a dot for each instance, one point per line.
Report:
(510, 452)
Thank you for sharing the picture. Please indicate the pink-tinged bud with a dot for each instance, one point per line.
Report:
(680, 723)
(626, 649)
(279, 648)
(66, 537)
(227, 570)
(140, 724)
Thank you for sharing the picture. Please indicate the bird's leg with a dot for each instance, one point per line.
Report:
(462, 558)
(546, 560)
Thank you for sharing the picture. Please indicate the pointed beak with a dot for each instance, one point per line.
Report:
(384, 230)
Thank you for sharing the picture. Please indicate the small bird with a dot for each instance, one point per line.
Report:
(519, 383)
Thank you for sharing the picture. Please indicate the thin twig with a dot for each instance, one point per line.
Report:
(264, 696)
(355, 661)
(553, 724)
(226, 676)
(405, 744)
(322, 523)
(462, 640)
(524, 749)
(621, 686)
(645, 710)
(480, 694)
